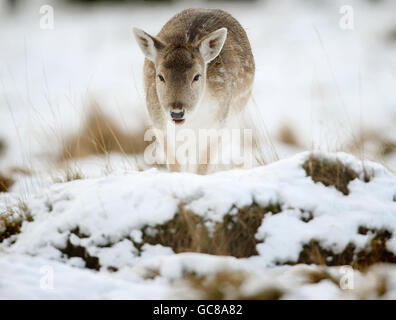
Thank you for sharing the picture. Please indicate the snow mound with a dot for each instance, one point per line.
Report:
(329, 209)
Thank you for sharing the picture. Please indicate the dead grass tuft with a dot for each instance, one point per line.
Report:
(2, 146)
(373, 143)
(70, 175)
(234, 236)
(288, 136)
(391, 35)
(374, 252)
(330, 173)
(227, 285)
(382, 285)
(12, 219)
(100, 135)
(5, 183)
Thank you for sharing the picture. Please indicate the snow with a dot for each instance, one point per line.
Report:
(24, 278)
(327, 84)
(111, 211)
(339, 82)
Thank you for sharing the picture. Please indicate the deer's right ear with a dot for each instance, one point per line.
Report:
(148, 44)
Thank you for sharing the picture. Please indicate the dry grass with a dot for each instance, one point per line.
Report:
(287, 136)
(374, 252)
(11, 220)
(2, 147)
(234, 236)
(330, 173)
(227, 285)
(184, 233)
(5, 183)
(72, 251)
(100, 135)
(70, 174)
(187, 232)
(316, 276)
(373, 145)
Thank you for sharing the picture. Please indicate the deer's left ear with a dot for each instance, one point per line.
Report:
(211, 45)
(148, 44)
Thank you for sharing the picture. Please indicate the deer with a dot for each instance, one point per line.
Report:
(198, 74)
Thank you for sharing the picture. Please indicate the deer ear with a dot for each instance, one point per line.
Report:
(148, 44)
(211, 45)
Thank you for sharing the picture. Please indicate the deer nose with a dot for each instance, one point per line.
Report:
(177, 105)
(177, 115)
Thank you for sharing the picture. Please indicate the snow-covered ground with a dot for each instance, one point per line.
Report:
(326, 84)
(321, 85)
(102, 224)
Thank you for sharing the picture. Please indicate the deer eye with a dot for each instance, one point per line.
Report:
(196, 78)
(161, 78)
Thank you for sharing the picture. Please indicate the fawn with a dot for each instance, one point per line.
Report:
(198, 74)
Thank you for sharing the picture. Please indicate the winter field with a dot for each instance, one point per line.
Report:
(83, 216)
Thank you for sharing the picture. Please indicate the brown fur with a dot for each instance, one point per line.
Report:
(228, 77)
(236, 58)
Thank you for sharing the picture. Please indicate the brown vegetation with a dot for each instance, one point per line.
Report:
(374, 252)
(234, 236)
(288, 136)
(330, 173)
(372, 143)
(71, 250)
(100, 135)
(227, 285)
(5, 183)
(11, 220)
(2, 146)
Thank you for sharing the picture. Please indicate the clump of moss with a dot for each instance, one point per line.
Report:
(330, 173)
(11, 220)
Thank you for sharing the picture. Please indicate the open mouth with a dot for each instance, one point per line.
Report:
(178, 121)
(177, 116)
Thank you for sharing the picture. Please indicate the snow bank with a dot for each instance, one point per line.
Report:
(102, 223)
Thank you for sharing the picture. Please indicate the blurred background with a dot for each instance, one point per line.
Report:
(71, 92)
